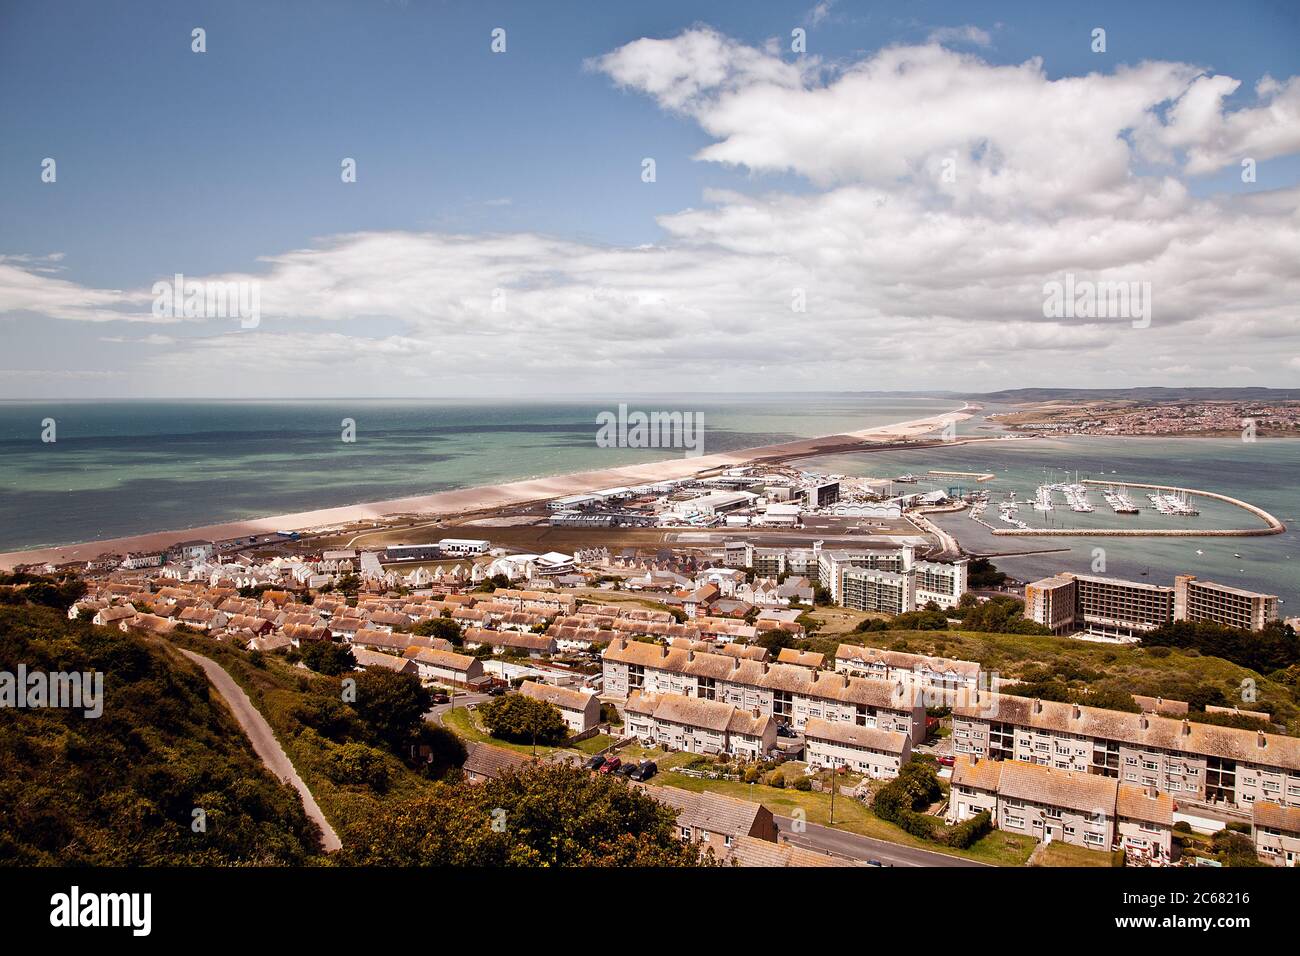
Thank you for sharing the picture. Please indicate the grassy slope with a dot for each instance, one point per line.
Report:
(121, 789)
(281, 692)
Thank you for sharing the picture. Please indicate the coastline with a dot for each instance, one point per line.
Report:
(482, 497)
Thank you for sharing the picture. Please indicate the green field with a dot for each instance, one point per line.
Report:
(1062, 854)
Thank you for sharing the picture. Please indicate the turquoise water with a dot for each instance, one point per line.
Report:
(1265, 473)
(127, 468)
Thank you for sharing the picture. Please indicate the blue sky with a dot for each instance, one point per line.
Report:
(170, 161)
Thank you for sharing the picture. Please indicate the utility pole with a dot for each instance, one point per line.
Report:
(834, 786)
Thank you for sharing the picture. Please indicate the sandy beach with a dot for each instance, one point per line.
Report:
(492, 496)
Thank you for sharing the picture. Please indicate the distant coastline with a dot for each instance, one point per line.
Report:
(458, 501)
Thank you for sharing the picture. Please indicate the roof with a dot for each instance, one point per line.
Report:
(751, 851)
(1143, 730)
(1143, 803)
(563, 697)
(711, 812)
(437, 658)
(1276, 817)
(790, 678)
(375, 659)
(842, 732)
(789, 655)
(902, 659)
(1069, 789)
(977, 774)
(484, 760)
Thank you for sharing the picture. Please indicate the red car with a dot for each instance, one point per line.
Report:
(610, 765)
(946, 760)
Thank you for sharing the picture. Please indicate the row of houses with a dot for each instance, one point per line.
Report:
(1070, 806)
(1193, 762)
(788, 692)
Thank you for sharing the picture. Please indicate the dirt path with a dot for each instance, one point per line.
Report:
(264, 743)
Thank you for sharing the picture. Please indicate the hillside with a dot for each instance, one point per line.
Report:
(122, 788)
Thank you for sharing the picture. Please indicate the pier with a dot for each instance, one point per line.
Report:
(978, 476)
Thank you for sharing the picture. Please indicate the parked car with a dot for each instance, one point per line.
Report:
(441, 698)
(877, 863)
(785, 730)
(626, 770)
(496, 690)
(596, 762)
(946, 760)
(644, 771)
(610, 765)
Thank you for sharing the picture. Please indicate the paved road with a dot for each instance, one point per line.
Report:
(853, 846)
(264, 743)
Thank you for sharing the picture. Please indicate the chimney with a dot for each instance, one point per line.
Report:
(1261, 741)
(1038, 706)
(1144, 723)
(1077, 712)
(1186, 728)
(735, 663)
(663, 651)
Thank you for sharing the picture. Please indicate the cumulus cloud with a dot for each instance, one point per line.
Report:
(888, 273)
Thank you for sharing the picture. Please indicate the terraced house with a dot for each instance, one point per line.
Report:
(876, 753)
(946, 677)
(698, 726)
(788, 692)
(1190, 761)
(1071, 806)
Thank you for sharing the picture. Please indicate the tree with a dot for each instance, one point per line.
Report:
(392, 706)
(443, 627)
(326, 657)
(522, 719)
(545, 815)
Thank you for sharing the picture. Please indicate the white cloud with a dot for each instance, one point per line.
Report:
(963, 34)
(910, 281)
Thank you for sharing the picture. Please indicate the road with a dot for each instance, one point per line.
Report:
(262, 738)
(852, 845)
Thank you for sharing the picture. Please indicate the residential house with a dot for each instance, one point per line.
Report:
(581, 712)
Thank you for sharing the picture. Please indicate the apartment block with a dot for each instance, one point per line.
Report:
(942, 678)
(1190, 761)
(1071, 806)
(1220, 604)
(1068, 603)
(1277, 833)
(877, 753)
(698, 726)
(790, 693)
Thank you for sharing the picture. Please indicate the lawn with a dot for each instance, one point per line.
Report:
(462, 721)
(1063, 854)
(996, 848)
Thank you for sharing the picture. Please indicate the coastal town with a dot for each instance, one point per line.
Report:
(711, 663)
(1208, 419)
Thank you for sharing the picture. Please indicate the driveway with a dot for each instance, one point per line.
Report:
(262, 738)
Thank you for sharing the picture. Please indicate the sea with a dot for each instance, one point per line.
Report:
(131, 467)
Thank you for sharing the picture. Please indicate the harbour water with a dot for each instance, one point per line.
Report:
(1265, 473)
